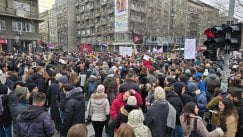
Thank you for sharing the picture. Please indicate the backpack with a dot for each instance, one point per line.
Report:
(92, 85)
(194, 132)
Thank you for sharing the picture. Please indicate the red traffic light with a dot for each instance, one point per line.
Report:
(209, 33)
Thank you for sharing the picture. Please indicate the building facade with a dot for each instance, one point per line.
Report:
(161, 22)
(44, 28)
(66, 25)
(19, 24)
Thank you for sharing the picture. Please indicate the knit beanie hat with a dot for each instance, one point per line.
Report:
(132, 101)
(31, 86)
(21, 93)
(100, 88)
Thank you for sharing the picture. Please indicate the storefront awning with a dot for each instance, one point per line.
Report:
(3, 41)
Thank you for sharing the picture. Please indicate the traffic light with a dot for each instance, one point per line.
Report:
(233, 34)
(215, 40)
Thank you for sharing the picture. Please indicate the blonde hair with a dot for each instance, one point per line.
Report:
(159, 93)
(74, 78)
(125, 130)
(78, 130)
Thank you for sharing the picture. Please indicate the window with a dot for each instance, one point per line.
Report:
(22, 26)
(2, 25)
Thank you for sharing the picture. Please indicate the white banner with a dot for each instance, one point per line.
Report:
(121, 15)
(125, 51)
(190, 49)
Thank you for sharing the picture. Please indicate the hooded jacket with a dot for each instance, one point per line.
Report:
(35, 122)
(74, 108)
(98, 107)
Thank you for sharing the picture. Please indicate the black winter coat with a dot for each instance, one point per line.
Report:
(176, 102)
(129, 84)
(239, 107)
(34, 122)
(122, 116)
(74, 107)
(53, 102)
(5, 118)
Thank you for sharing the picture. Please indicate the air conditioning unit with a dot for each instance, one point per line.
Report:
(19, 33)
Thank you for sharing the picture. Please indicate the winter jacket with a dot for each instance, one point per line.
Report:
(53, 102)
(176, 102)
(98, 107)
(118, 103)
(5, 117)
(34, 122)
(129, 84)
(213, 105)
(158, 118)
(201, 129)
(239, 107)
(231, 123)
(74, 109)
(186, 97)
(122, 116)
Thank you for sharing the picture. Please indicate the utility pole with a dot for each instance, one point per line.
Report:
(226, 71)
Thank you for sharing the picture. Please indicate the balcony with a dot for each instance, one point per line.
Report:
(103, 2)
(19, 13)
(97, 14)
(91, 7)
(110, 11)
(81, 10)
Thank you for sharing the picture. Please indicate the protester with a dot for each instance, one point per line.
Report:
(159, 112)
(135, 120)
(125, 130)
(35, 120)
(228, 117)
(130, 83)
(98, 108)
(78, 130)
(193, 125)
(5, 116)
(121, 100)
(73, 107)
(122, 116)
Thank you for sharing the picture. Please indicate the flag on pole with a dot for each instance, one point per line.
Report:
(137, 38)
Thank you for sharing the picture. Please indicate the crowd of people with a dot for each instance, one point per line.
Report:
(124, 96)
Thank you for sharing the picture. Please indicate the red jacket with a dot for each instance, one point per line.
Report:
(118, 103)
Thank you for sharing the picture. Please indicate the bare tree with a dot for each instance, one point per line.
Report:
(223, 5)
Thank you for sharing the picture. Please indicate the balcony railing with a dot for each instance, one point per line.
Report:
(18, 13)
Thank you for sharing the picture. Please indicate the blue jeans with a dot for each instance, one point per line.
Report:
(61, 115)
(178, 131)
(5, 131)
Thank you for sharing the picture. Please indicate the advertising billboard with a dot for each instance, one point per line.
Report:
(121, 15)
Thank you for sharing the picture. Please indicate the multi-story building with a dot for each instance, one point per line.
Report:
(44, 27)
(190, 18)
(66, 25)
(53, 37)
(19, 24)
(48, 28)
(99, 24)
